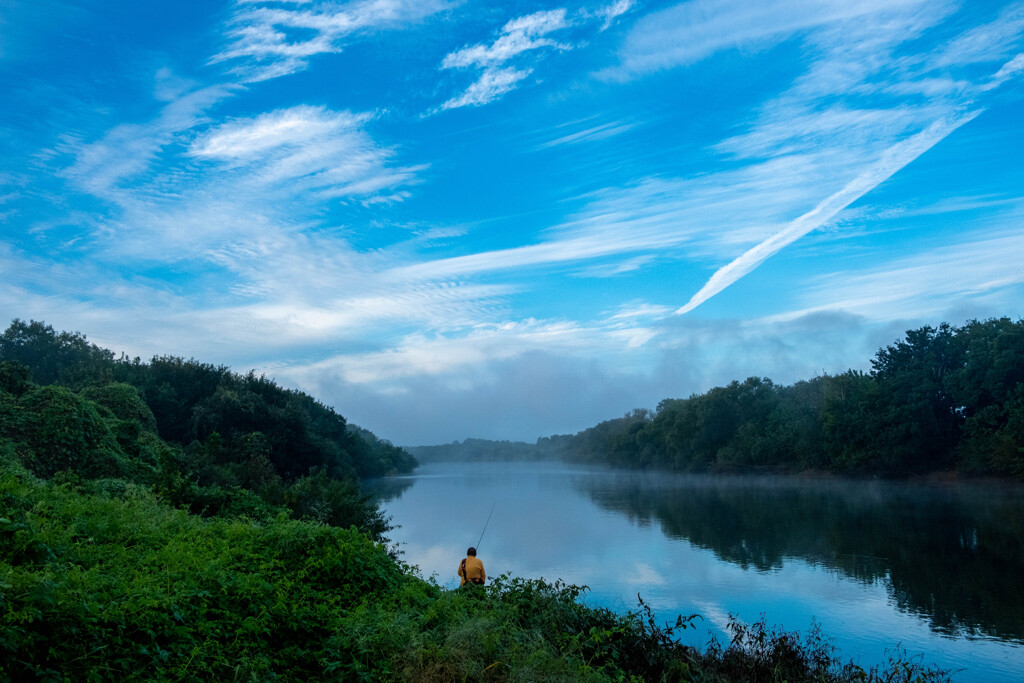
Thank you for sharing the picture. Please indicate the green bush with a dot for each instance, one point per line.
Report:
(336, 502)
(95, 588)
(60, 430)
(124, 402)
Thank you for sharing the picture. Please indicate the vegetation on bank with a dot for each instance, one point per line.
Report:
(101, 579)
(172, 520)
(941, 399)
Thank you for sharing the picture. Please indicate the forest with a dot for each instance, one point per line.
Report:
(173, 520)
(202, 436)
(942, 399)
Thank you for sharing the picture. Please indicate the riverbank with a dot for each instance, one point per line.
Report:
(101, 580)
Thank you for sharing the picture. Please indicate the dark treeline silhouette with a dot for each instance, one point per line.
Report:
(202, 435)
(940, 399)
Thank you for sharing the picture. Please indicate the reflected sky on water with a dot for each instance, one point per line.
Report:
(936, 569)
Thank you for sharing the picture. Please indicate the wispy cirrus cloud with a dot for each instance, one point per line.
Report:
(517, 36)
(709, 214)
(128, 150)
(267, 40)
(492, 84)
(601, 131)
(854, 51)
(609, 13)
(178, 178)
(520, 35)
(301, 150)
(798, 152)
(982, 267)
(692, 31)
(503, 62)
(988, 42)
(955, 109)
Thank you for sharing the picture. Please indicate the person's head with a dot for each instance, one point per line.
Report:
(471, 552)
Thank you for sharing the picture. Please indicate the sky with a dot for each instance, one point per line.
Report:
(450, 219)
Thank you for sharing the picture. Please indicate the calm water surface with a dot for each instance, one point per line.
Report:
(938, 570)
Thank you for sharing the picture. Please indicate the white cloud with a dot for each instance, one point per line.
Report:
(593, 133)
(517, 36)
(492, 84)
(129, 150)
(243, 178)
(524, 34)
(983, 269)
(691, 31)
(894, 159)
(266, 40)
(301, 150)
(708, 215)
(418, 355)
(991, 42)
(296, 127)
(611, 12)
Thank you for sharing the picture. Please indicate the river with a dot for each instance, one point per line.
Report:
(936, 569)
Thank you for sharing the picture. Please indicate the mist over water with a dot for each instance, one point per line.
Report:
(934, 568)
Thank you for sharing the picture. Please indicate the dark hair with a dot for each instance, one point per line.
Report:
(471, 552)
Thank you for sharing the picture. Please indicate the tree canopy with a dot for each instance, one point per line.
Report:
(941, 398)
(202, 436)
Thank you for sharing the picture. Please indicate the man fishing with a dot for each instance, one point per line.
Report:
(471, 570)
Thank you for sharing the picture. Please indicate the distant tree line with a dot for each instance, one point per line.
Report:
(945, 398)
(203, 436)
(476, 450)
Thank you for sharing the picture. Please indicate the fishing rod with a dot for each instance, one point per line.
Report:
(485, 527)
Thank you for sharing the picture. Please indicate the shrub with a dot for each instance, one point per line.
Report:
(61, 431)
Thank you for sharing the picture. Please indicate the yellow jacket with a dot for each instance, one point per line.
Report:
(474, 571)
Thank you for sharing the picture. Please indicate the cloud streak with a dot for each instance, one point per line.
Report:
(266, 40)
(693, 31)
(984, 267)
(520, 35)
(894, 159)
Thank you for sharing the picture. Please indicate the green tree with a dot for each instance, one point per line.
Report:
(64, 358)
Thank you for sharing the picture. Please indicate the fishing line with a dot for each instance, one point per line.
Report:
(485, 527)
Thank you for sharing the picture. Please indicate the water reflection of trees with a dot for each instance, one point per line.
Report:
(952, 555)
(386, 489)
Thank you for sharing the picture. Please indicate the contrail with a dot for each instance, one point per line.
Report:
(893, 159)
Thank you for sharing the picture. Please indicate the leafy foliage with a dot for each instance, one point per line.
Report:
(97, 587)
(58, 430)
(939, 399)
(188, 401)
(204, 438)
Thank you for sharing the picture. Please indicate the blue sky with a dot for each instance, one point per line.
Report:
(507, 220)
